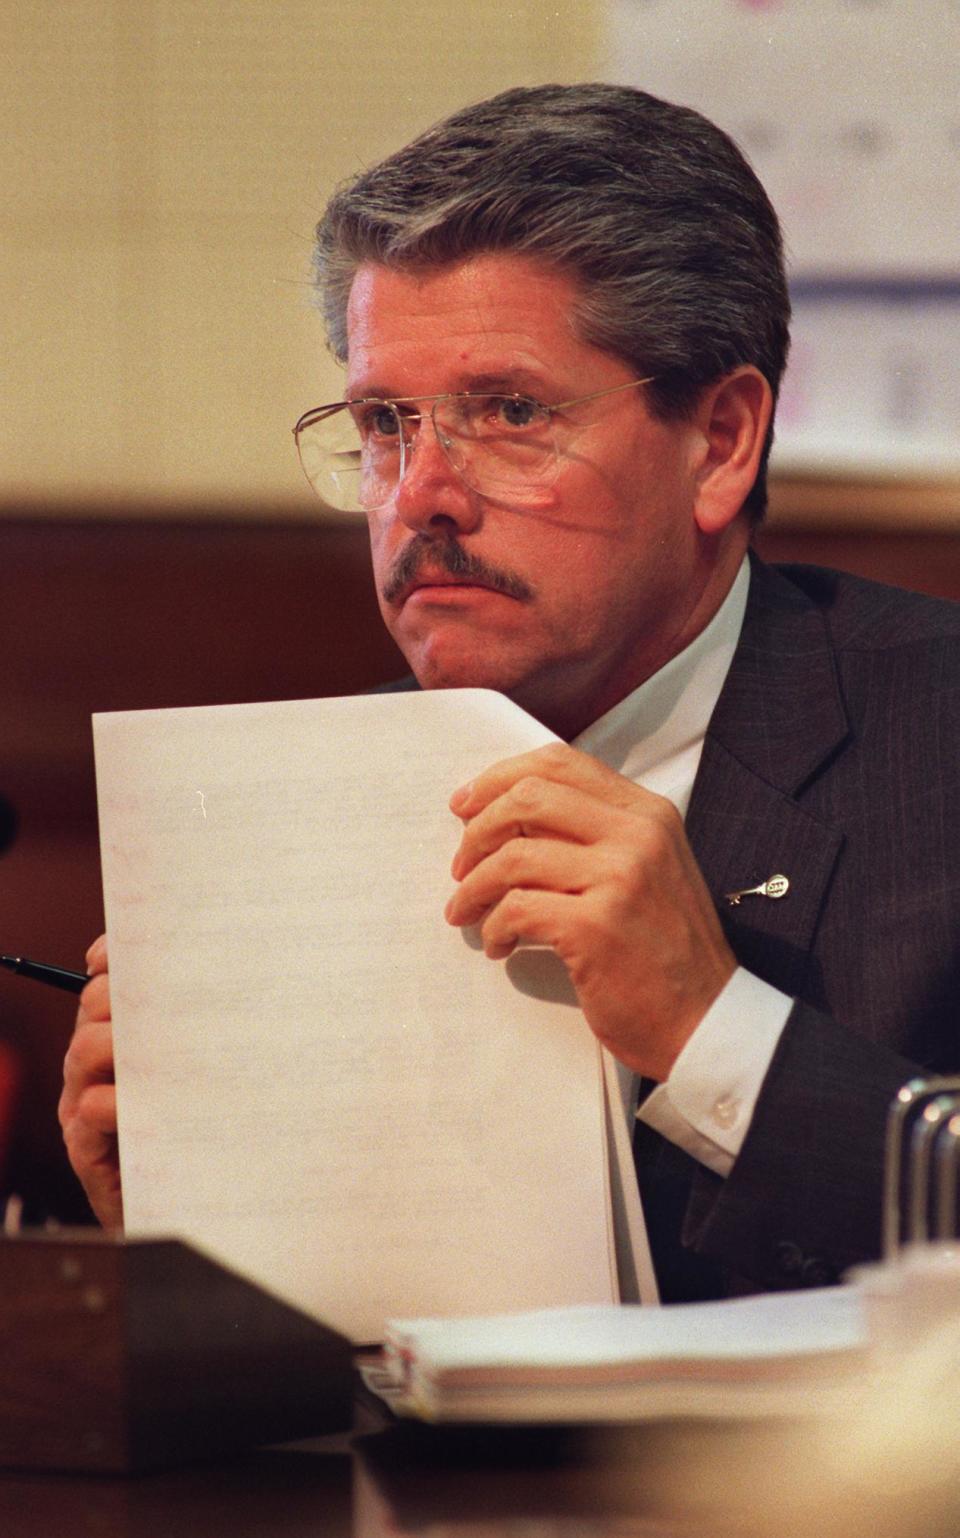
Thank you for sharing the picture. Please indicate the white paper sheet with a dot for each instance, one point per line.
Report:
(319, 1080)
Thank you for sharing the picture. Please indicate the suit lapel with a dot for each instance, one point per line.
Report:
(779, 719)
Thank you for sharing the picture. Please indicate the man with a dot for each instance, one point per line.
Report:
(564, 315)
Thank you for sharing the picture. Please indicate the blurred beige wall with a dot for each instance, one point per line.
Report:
(163, 163)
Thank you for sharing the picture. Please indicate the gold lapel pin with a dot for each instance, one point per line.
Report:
(774, 886)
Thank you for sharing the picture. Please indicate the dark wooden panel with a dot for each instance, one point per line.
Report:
(926, 561)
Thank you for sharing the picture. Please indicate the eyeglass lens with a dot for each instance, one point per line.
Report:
(500, 446)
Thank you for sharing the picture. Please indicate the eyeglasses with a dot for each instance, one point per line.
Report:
(507, 447)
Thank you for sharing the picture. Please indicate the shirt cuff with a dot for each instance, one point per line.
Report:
(708, 1101)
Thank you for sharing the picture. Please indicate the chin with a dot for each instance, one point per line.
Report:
(429, 676)
(455, 656)
(436, 669)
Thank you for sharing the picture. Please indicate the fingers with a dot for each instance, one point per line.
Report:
(530, 917)
(89, 1058)
(617, 879)
(557, 763)
(558, 851)
(97, 956)
(519, 864)
(556, 792)
(93, 1156)
(88, 1103)
(89, 1122)
(95, 1000)
(532, 808)
(90, 1116)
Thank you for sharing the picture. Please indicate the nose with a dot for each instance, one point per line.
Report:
(431, 494)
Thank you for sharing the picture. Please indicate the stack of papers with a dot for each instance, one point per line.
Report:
(775, 1354)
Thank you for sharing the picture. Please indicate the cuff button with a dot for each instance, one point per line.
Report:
(726, 1110)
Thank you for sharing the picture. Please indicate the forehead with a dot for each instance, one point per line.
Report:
(491, 315)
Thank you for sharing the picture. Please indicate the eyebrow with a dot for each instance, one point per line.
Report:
(503, 382)
(517, 381)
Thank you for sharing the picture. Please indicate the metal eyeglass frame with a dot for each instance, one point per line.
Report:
(320, 413)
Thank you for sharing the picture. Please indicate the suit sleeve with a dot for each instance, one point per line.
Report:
(803, 1201)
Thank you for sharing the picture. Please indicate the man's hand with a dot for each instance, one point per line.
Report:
(559, 850)
(88, 1105)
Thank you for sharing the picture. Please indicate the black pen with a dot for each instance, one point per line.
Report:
(57, 977)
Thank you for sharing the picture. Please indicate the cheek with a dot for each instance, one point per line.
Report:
(379, 556)
(573, 584)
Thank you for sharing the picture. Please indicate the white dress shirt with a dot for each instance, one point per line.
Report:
(655, 737)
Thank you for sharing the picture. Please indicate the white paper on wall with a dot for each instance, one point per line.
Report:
(850, 112)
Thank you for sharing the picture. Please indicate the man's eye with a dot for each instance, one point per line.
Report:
(517, 411)
(377, 421)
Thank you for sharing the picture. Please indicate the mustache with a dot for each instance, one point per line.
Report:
(426, 551)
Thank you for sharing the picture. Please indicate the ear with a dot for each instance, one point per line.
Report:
(732, 416)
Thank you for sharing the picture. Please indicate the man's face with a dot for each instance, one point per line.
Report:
(566, 607)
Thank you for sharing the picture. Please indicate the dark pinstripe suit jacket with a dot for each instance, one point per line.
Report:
(831, 757)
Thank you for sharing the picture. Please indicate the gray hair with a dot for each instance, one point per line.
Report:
(655, 213)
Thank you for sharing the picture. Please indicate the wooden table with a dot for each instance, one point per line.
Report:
(403, 1481)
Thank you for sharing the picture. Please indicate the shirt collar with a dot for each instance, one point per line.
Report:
(655, 735)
